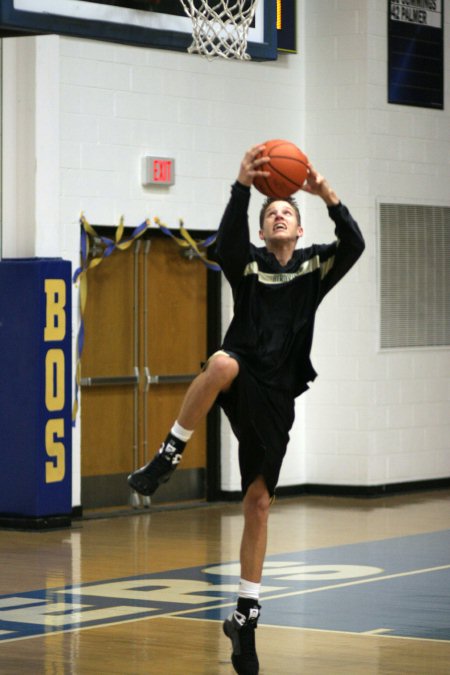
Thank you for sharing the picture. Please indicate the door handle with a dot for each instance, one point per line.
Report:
(130, 380)
(111, 381)
(179, 378)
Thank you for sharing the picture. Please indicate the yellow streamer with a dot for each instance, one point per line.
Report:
(82, 279)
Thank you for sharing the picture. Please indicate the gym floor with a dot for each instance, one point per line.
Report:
(351, 587)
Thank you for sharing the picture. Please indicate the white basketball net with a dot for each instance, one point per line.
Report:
(220, 27)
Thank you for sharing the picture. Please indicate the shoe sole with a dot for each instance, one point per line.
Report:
(140, 487)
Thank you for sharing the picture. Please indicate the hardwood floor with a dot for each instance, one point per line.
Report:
(141, 593)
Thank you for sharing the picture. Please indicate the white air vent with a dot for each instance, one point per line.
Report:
(414, 245)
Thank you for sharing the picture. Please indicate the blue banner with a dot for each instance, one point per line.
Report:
(35, 393)
(416, 53)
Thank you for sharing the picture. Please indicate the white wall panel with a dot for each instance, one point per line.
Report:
(370, 418)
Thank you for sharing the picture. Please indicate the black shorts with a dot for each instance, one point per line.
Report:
(261, 418)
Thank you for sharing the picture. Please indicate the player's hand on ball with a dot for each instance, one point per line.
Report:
(316, 184)
(252, 165)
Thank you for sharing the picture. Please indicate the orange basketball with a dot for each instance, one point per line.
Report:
(288, 168)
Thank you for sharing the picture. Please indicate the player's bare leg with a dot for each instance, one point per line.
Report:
(241, 624)
(254, 537)
(217, 377)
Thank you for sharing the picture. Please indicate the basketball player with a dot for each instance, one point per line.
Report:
(263, 365)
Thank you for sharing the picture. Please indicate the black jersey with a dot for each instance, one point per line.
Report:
(274, 306)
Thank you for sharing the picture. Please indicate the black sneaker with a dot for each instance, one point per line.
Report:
(149, 477)
(241, 631)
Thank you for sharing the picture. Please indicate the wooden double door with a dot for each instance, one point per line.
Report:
(145, 339)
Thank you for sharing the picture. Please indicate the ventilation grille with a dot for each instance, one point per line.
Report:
(414, 245)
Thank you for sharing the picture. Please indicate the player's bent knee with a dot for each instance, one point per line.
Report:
(223, 368)
(257, 509)
(257, 499)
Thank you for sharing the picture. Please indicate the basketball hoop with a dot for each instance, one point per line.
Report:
(220, 27)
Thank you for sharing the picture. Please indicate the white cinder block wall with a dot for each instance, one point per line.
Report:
(373, 418)
(370, 418)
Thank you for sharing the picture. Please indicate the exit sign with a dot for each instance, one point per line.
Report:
(158, 171)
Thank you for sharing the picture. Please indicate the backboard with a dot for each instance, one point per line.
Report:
(146, 23)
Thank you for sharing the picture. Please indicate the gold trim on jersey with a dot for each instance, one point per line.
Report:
(277, 278)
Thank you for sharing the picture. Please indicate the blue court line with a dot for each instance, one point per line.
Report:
(410, 597)
(400, 587)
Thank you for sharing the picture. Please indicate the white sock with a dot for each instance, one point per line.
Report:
(248, 589)
(181, 433)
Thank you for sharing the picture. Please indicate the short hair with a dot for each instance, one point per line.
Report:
(267, 202)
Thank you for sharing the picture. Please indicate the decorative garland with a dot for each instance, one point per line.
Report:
(80, 276)
(193, 249)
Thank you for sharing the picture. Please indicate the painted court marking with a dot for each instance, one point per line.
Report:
(394, 587)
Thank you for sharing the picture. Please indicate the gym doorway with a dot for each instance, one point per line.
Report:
(151, 319)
